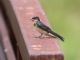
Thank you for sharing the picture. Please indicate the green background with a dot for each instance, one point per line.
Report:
(64, 17)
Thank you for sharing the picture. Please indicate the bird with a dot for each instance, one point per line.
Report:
(44, 29)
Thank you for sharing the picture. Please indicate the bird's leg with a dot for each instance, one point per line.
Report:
(41, 34)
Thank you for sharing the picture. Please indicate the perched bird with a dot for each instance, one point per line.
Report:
(43, 29)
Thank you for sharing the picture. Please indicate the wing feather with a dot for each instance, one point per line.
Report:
(43, 26)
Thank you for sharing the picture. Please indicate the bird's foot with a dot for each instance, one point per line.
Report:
(39, 37)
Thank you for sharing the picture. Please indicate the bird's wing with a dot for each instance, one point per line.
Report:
(47, 29)
(43, 26)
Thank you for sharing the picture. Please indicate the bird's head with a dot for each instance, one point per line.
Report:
(35, 18)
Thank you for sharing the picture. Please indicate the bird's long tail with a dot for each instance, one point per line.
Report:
(57, 35)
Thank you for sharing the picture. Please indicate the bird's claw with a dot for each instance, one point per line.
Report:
(39, 37)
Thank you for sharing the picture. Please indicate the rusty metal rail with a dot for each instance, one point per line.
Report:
(19, 13)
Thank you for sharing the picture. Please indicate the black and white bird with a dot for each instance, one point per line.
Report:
(43, 29)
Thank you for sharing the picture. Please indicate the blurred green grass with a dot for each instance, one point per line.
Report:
(64, 17)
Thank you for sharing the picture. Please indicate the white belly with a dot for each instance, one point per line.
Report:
(41, 31)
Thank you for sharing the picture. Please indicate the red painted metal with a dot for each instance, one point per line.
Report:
(7, 47)
(38, 49)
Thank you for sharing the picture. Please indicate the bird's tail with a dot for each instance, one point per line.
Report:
(57, 35)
